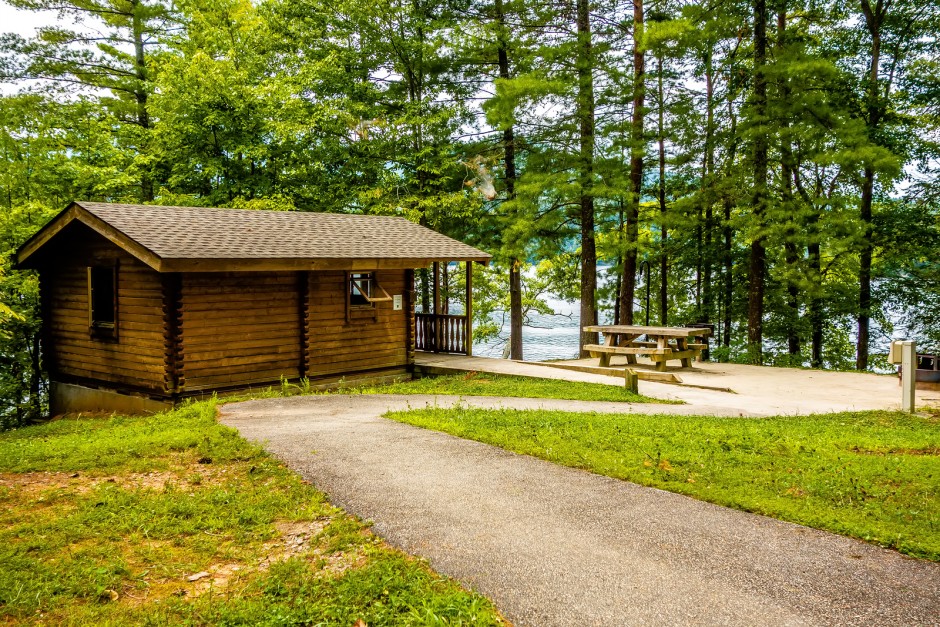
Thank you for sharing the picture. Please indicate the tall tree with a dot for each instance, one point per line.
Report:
(107, 50)
(788, 204)
(758, 122)
(874, 21)
(585, 115)
(509, 160)
(661, 193)
(637, 149)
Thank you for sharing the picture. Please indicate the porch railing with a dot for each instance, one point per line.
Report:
(441, 333)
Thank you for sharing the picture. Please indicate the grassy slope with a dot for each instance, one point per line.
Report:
(873, 475)
(486, 384)
(103, 520)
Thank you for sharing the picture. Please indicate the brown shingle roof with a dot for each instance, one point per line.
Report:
(198, 234)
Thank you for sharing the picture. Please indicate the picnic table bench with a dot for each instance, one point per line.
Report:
(661, 345)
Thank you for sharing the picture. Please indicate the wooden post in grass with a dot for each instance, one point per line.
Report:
(631, 381)
(908, 374)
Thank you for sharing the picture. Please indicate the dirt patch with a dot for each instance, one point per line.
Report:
(337, 563)
(218, 577)
(294, 538)
(33, 483)
(929, 451)
(291, 539)
(300, 539)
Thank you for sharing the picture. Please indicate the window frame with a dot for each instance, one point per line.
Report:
(375, 294)
(103, 329)
(363, 283)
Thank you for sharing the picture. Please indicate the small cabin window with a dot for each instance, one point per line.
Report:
(360, 289)
(363, 292)
(102, 299)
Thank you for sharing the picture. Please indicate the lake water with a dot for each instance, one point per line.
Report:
(548, 337)
(556, 337)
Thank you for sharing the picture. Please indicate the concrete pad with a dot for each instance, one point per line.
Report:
(756, 389)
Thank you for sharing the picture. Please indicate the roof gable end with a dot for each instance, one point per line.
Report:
(75, 212)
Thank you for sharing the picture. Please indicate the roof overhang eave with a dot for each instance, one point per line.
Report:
(169, 264)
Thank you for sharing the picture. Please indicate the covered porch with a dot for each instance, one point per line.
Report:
(444, 309)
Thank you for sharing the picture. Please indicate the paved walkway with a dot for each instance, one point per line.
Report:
(555, 546)
(756, 389)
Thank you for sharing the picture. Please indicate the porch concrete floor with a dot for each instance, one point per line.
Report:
(761, 390)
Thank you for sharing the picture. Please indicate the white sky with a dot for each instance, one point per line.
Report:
(24, 23)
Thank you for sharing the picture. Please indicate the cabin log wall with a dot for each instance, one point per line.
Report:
(180, 334)
(367, 342)
(240, 329)
(135, 358)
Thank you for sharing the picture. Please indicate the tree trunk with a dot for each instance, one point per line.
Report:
(708, 174)
(664, 253)
(728, 259)
(791, 254)
(585, 114)
(515, 309)
(140, 93)
(874, 18)
(636, 168)
(618, 299)
(815, 302)
(727, 228)
(864, 271)
(757, 259)
(509, 156)
(35, 377)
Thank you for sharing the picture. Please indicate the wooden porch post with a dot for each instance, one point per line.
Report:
(436, 321)
(468, 341)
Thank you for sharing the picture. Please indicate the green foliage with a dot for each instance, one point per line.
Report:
(869, 475)
(400, 109)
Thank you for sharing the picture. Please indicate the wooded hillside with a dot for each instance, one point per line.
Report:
(769, 167)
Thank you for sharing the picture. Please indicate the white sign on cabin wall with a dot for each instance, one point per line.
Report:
(396, 302)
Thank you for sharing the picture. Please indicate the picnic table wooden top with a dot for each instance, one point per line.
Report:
(654, 331)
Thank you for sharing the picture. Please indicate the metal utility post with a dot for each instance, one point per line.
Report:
(908, 374)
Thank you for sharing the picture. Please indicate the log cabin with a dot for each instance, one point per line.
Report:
(143, 306)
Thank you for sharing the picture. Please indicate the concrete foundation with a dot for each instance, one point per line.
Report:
(68, 398)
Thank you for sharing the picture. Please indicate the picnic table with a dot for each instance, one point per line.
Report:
(661, 344)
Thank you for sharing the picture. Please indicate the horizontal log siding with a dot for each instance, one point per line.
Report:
(337, 347)
(136, 359)
(239, 329)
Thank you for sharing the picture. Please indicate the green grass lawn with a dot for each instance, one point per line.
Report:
(871, 475)
(486, 384)
(105, 520)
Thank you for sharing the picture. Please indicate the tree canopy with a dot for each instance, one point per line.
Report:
(766, 167)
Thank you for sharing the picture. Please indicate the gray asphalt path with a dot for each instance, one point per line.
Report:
(556, 546)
